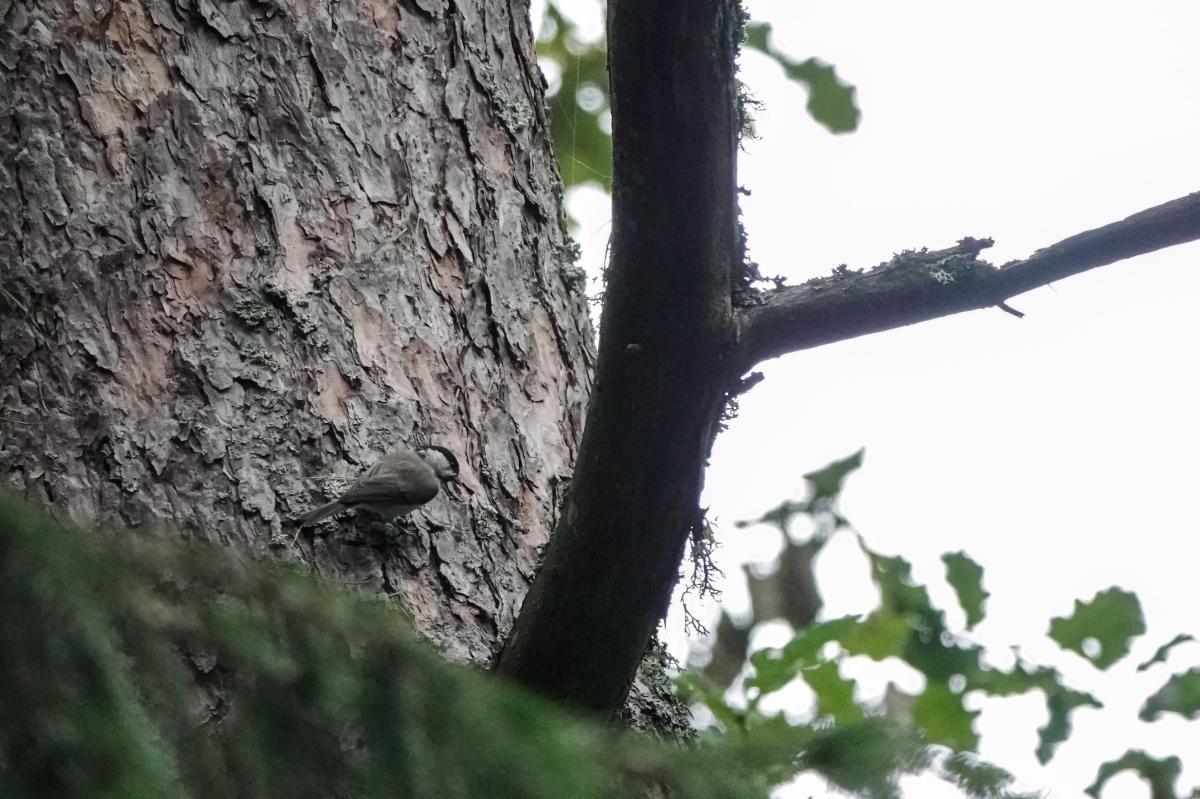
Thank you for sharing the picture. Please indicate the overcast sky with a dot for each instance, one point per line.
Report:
(1059, 450)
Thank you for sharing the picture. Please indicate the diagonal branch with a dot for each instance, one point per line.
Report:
(917, 286)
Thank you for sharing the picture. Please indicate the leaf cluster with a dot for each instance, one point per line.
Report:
(908, 627)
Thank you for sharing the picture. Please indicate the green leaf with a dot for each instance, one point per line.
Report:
(1060, 700)
(883, 634)
(966, 578)
(780, 516)
(1160, 774)
(835, 693)
(939, 658)
(1111, 619)
(756, 36)
(695, 687)
(1018, 681)
(930, 648)
(1060, 703)
(827, 482)
(940, 713)
(976, 777)
(831, 101)
(1181, 695)
(1160, 655)
(775, 668)
(897, 591)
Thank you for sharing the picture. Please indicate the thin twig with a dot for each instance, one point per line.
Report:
(7, 418)
(1004, 306)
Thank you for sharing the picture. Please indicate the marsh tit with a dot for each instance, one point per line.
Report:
(402, 480)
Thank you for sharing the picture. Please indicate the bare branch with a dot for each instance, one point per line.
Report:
(917, 286)
(1008, 309)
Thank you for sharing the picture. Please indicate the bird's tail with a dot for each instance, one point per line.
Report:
(317, 514)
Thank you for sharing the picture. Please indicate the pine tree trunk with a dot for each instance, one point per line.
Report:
(249, 245)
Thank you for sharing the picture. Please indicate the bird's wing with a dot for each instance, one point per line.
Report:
(407, 483)
(317, 514)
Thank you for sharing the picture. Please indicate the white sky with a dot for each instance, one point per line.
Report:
(1059, 450)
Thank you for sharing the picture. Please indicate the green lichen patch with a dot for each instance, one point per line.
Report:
(942, 276)
(512, 108)
(252, 312)
(306, 323)
(956, 269)
(568, 251)
(573, 277)
(276, 295)
(335, 486)
(256, 355)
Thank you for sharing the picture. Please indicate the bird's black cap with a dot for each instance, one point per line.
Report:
(449, 456)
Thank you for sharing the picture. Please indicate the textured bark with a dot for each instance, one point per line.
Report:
(247, 246)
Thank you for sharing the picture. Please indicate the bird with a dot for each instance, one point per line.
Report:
(401, 481)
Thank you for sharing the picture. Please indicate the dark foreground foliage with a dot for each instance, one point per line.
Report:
(138, 669)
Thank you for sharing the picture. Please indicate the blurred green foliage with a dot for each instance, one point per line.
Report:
(578, 95)
(135, 669)
(578, 101)
(1160, 775)
(140, 668)
(1160, 654)
(1101, 630)
(1180, 695)
(966, 578)
(907, 625)
(826, 483)
(831, 101)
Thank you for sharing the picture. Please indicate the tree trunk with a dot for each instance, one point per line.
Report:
(248, 246)
(665, 370)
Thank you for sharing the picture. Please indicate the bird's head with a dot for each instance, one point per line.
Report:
(441, 460)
